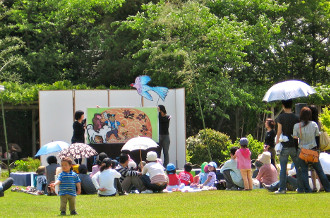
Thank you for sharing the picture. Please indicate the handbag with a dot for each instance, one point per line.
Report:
(309, 156)
(324, 141)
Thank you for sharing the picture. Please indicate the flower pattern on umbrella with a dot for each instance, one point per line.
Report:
(78, 150)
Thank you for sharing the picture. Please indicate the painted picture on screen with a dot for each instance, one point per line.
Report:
(118, 125)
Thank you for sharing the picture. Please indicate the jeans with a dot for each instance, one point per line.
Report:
(164, 143)
(285, 153)
(291, 182)
(6, 185)
(319, 171)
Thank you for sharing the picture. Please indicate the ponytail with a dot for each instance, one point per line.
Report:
(105, 164)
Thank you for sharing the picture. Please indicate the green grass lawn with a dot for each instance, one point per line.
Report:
(202, 204)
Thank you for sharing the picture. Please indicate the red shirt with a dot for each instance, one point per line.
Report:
(186, 177)
(173, 179)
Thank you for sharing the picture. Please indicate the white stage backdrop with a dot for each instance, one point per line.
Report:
(56, 113)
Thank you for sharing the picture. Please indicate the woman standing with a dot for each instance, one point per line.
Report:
(308, 133)
(79, 128)
(270, 139)
(164, 137)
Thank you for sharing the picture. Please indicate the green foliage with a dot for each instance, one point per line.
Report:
(26, 93)
(256, 147)
(325, 119)
(29, 165)
(197, 146)
(11, 61)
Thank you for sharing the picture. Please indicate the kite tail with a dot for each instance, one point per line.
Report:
(161, 91)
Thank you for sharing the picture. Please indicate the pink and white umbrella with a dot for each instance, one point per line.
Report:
(78, 150)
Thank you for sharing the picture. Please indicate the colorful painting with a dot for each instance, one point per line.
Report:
(118, 125)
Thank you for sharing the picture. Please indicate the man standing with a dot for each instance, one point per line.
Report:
(164, 136)
(285, 123)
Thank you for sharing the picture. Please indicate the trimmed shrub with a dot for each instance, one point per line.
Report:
(28, 165)
(197, 151)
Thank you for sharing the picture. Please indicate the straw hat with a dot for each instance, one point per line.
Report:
(265, 157)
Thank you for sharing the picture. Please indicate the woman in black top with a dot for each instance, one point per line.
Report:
(270, 139)
(78, 128)
(164, 137)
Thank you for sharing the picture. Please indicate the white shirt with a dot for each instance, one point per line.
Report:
(105, 179)
(153, 168)
(325, 162)
(308, 133)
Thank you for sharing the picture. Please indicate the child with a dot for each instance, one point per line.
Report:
(157, 180)
(41, 180)
(243, 157)
(68, 181)
(203, 174)
(174, 183)
(211, 177)
(186, 177)
(96, 168)
(104, 179)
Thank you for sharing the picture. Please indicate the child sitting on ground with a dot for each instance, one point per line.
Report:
(157, 180)
(211, 177)
(243, 157)
(41, 180)
(68, 181)
(174, 183)
(185, 176)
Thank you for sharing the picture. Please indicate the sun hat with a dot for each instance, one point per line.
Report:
(170, 167)
(213, 164)
(265, 157)
(244, 141)
(203, 165)
(151, 156)
(131, 165)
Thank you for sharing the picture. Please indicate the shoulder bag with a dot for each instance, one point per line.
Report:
(309, 156)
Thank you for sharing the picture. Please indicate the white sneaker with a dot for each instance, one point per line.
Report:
(147, 192)
(280, 192)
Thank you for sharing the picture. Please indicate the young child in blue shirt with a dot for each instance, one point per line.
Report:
(68, 181)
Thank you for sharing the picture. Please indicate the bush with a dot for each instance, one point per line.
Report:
(325, 119)
(197, 151)
(28, 165)
(255, 146)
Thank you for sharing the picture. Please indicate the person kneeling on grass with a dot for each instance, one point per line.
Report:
(232, 175)
(157, 180)
(68, 181)
(104, 179)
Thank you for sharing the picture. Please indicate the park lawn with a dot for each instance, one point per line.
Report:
(260, 203)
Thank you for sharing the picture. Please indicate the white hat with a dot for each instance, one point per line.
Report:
(151, 156)
(265, 157)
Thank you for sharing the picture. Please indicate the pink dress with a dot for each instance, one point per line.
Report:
(243, 157)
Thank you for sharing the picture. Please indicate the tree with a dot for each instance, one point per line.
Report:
(11, 61)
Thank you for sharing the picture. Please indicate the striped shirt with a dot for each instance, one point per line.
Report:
(68, 183)
(124, 171)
